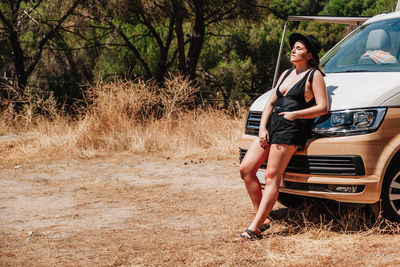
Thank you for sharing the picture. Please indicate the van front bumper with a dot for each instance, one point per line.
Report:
(344, 169)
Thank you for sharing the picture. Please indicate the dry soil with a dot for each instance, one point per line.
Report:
(138, 210)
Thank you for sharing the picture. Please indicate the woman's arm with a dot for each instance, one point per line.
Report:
(262, 130)
(268, 109)
(321, 101)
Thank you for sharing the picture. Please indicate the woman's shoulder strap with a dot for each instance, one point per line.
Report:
(311, 75)
(287, 74)
(312, 72)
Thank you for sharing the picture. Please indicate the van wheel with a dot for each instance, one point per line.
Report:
(390, 195)
(291, 201)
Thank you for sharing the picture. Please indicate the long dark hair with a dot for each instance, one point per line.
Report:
(314, 64)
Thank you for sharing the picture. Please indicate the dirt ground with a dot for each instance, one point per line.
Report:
(136, 210)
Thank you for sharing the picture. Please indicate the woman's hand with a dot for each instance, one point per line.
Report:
(289, 115)
(264, 137)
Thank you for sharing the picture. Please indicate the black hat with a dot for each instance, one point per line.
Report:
(311, 43)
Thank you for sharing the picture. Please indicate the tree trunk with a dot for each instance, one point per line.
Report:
(180, 36)
(197, 39)
(21, 77)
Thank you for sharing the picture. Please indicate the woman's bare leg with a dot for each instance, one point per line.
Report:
(254, 158)
(278, 159)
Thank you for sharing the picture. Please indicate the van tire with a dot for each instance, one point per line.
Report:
(390, 195)
(291, 201)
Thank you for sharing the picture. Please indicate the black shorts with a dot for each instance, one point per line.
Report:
(284, 131)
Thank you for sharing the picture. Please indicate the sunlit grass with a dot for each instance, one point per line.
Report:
(127, 116)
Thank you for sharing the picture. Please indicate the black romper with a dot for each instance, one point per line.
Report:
(282, 130)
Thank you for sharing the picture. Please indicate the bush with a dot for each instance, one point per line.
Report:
(133, 116)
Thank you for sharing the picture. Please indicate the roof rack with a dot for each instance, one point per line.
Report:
(340, 20)
(355, 21)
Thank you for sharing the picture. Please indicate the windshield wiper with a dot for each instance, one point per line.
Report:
(343, 71)
(357, 70)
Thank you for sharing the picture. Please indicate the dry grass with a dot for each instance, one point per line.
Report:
(321, 216)
(128, 116)
(137, 210)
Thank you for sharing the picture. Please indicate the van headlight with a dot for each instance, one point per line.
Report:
(349, 122)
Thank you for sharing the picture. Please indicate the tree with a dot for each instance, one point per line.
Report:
(28, 26)
(174, 30)
(238, 61)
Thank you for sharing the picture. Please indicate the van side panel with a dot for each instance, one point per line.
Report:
(390, 132)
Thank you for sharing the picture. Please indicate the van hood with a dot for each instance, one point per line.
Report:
(355, 90)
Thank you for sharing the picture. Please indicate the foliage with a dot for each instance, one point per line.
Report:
(238, 63)
(28, 26)
(228, 48)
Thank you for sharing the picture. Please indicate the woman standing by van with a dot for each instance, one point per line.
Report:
(285, 125)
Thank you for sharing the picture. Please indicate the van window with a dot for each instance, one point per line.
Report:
(370, 48)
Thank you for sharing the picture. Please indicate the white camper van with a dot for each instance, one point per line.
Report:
(354, 154)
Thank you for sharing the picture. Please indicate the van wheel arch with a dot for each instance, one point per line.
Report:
(389, 205)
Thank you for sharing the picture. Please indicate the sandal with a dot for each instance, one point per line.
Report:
(249, 235)
(264, 227)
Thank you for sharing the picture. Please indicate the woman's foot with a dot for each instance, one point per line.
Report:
(266, 225)
(248, 235)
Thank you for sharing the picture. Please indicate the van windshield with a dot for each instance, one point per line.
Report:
(371, 48)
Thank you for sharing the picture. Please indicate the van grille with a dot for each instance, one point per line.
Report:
(324, 165)
(253, 122)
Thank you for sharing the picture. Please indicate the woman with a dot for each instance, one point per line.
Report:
(285, 125)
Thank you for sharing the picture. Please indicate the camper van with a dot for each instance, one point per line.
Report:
(353, 155)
